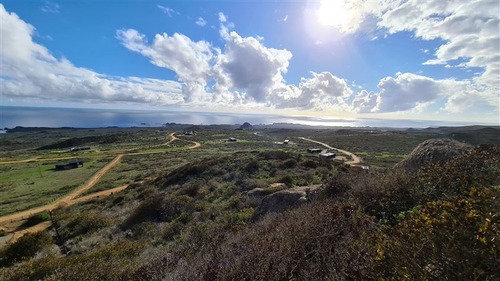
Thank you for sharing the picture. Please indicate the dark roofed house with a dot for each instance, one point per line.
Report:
(314, 150)
(231, 140)
(73, 164)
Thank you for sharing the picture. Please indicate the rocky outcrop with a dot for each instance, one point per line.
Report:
(433, 151)
(283, 200)
(246, 126)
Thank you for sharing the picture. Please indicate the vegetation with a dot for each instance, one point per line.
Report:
(190, 218)
(27, 185)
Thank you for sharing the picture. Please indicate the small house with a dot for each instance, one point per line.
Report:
(231, 140)
(314, 150)
(286, 142)
(189, 133)
(328, 155)
(79, 148)
(73, 164)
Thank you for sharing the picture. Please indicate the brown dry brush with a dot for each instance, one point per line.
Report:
(322, 241)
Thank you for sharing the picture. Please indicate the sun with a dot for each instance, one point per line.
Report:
(335, 13)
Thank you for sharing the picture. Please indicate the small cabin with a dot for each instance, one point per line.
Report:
(79, 148)
(189, 133)
(231, 140)
(328, 155)
(286, 142)
(314, 150)
(73, 164)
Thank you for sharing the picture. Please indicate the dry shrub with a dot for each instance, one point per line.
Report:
(323, 241)
(88, 222)
(25, 247)
(111, 262)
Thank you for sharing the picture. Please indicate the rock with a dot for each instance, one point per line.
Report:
(283, 200)
(246, 126)
(257, 192)
(433, 151)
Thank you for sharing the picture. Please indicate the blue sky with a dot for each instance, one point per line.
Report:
(335, 59)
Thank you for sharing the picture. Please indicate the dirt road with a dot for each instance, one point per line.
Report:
(355, 159)
(65, 199)
(71, 198)
(39, 227)
(195, 144)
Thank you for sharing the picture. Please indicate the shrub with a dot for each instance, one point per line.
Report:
(89, 222)
(310, 164)
(455, 239)
(252, 166)
(25, 247)
(275, 155)
(289, 163)
(160, 208)
(287, 180)
(36, 219)
(323, 241)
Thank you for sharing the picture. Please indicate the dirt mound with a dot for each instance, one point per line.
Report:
(433, 150)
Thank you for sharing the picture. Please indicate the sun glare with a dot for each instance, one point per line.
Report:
(334, 13)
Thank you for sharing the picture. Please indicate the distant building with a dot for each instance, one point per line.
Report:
(314, 150)
(160, 138)
(189, 133)
(286, 142)
(231, 140)
(73, 164)
(79, 148)
(328, 155)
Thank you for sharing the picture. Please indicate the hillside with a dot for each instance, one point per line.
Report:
(194, 220)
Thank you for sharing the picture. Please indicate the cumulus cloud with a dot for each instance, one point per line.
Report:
(252, 66)
(201, 22)
(246, 72)
(469, 29)
(190, 60)
(409, 91)
(30, 71)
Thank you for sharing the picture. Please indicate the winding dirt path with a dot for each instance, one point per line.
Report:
(355, 159)
(66, 198)
(71, 198)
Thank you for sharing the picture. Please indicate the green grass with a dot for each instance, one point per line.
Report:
(382, 160)
(27, 185)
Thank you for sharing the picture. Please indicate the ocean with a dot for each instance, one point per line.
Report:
(12, 116)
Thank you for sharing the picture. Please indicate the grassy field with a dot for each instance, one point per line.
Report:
(27, 185)
(31, 184)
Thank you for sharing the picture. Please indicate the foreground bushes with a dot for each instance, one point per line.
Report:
(453, 239)
(326, 240)
(25, 247)
(438, 224)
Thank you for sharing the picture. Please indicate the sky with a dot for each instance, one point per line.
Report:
(389, 59)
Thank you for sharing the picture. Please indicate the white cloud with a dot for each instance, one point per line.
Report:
(30, 71)
(285, 18)
(201, 22)
(469, 28)
(253, 67)
(222, 17)
(322, 91)
(51, 7)
(409, 91)
(169, 11)
(190, 60)
(244, 72)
